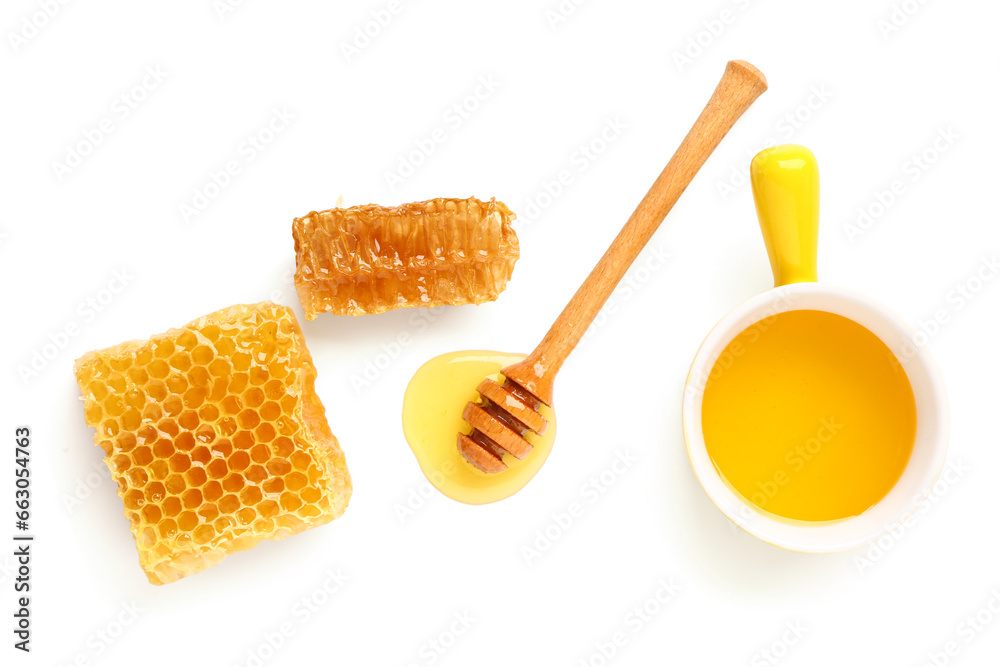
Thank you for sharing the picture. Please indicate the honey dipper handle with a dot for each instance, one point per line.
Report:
(741, 84)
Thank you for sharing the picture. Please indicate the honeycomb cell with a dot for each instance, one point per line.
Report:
(369, 259)
(300, 460)
(163, 449)
(202, 355)
(114, 406)
(147, 435)
(155, 493)
(174, 484)
(315, 474)
(142, 456)
(151, 513)
(233, 483)
(258, 375)
(255, 474)
(138, 376)
(222, 449)
(193, 398)
(156, 390)
(270, 411)
(265, 432)
(173, 405)
(220, 368)
(204, 533)
(93, 412)
(188, 420)
(133, 499)
(179, 462)
(184, 442)
(192, 499)
(171, 506)
(187, 340)
(137, 478)
(227, 426)
(264, 524)
(196, 476)
(273, 389)
(177, 384)
(248, 419)
(199, 377)
(296, 481)
(229, 504)
(217, 469)
(241, 362)
(163, 348)
(268, 508)
(244, 440)
(279, 467)
(251, 495)
(120, 463)
(273, 486)
(131, 420)
(290, 501)
(232, 404)
(158, 369)
(187, 521)
(167, 528)
(121, 364)
(204, 433)
(181, 362)
(98, 391)
(215, 437)
(201, 455)
(239, 461)
(253, 398)
(283, 447)
(152, 413)
(117, 384)
(225, 346)
(212, 490)
(135, 399)
(224, 523)
(159, 469)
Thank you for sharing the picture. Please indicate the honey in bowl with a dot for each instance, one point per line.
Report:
(432, 417)
(809, 416)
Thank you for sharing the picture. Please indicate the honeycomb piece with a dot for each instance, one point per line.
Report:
(215, 437)
(370, 259)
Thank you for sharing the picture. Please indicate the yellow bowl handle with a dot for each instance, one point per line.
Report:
(785, 181)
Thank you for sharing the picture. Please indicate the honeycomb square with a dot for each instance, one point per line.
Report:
(369, 259)
(215, 436)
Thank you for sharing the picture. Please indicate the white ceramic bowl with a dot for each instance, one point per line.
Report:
(929, 449)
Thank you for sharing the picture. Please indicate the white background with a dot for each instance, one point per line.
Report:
(866, 100)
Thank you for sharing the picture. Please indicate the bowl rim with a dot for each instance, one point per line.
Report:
(930, 446)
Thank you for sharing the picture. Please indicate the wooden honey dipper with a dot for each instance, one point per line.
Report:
(510, 410)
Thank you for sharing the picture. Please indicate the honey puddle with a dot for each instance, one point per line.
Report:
(432, 418)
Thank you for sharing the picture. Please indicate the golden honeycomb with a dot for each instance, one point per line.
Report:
(369, 259)
(215, 437)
